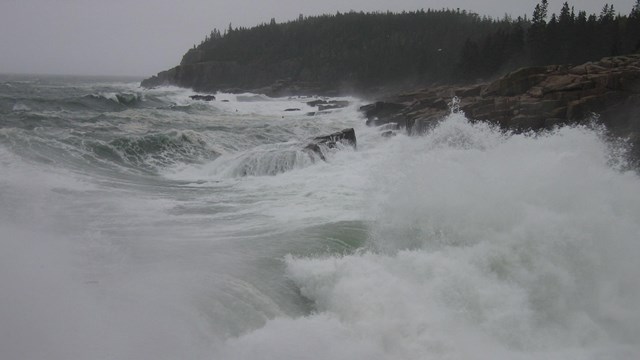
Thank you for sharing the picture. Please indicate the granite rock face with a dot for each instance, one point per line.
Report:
(532, 98)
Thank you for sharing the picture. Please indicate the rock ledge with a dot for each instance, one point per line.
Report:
(531, 98)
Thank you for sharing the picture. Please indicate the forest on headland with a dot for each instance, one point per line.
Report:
(424, 46)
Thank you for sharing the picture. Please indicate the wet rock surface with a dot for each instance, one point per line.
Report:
(346, 137)
(532, 98)
(203, 97)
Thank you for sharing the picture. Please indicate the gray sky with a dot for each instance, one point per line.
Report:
(142, 37)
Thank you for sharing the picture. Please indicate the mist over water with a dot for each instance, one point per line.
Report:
(152, 226)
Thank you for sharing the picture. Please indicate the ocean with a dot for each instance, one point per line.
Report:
(142, 224)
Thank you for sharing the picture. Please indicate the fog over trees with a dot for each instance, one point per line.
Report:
(448, 45)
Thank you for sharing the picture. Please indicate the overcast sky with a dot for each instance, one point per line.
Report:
(143, 37)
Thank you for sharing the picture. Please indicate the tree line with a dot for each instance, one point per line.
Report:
(446, 45)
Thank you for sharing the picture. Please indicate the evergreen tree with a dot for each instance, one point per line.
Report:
(540, 13)
(566, 17)
(366, 49)
(537, 33)
(633, 28)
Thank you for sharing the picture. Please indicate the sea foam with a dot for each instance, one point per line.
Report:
(484, 245)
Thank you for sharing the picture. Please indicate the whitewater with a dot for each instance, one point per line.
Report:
(142, 224)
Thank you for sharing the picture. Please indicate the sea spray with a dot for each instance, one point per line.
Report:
(484, 245)
(465, 243)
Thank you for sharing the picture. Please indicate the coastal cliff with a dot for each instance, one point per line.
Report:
(231, 76)
(532, 98)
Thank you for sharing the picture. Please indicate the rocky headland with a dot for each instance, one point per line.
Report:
(234, 77)
(532, 98)
(527, 99)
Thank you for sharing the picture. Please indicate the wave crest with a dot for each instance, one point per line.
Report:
(157, 150)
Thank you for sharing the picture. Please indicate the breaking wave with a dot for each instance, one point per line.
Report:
(172, 229)
(482, 245)
(156, 150)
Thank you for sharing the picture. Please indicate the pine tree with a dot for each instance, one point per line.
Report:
(566, 17)
(540, 13)
(633, 28)
(607, 14)
(537, 33)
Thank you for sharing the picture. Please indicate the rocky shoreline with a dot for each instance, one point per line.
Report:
(533, 98)
(232, 77)
(527, 99)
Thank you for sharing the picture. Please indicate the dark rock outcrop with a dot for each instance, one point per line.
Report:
(203, 97)
(384, 112)
(530, 99)
(333, 104)
(127, 99)
(323, 105)
(346, 137)
(316, 103)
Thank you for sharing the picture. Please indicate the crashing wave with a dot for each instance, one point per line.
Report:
(157, 150)
(267, 160)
